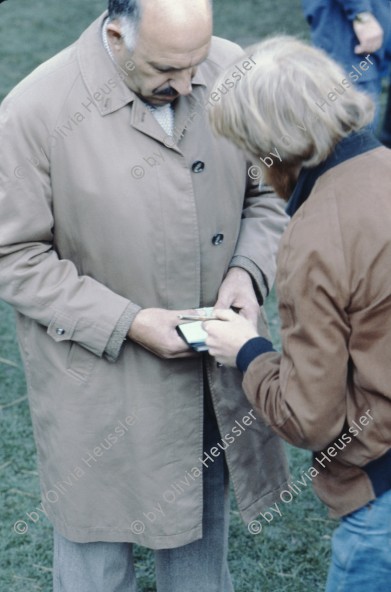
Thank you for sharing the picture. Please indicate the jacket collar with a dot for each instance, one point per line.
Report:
(353, 145)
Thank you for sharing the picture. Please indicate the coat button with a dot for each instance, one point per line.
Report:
(198, 166)
(218, 239)
(60, 331)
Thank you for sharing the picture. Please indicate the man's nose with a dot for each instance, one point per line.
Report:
(182, 82)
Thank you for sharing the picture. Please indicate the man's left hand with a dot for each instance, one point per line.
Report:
(237, 291)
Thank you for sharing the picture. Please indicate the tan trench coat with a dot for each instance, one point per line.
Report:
(96, 212)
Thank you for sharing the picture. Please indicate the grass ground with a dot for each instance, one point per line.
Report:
(291, 553)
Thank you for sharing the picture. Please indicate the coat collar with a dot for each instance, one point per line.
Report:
(356, 143)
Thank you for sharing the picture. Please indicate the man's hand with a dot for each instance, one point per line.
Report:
(370, 35)
(237, 291)
(228, 335)
(155, 330)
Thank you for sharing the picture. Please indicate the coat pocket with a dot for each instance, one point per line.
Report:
(80, 362)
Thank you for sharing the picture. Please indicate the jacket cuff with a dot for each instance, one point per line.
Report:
(251, 350)
(259, 280)
(353, 8)
(118, 336)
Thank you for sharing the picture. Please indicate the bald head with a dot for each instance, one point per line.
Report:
(162, 12)
(174, 25)
(176, 12)
(172, 38)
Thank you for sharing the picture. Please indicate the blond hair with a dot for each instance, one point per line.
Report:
(283, 102)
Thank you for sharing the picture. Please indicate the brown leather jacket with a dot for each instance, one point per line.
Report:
(330, 391)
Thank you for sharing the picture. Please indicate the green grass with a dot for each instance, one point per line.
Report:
(291, 553)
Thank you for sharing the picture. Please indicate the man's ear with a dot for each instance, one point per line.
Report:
(114, 33)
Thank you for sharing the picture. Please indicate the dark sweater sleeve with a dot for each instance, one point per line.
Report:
(251, 350)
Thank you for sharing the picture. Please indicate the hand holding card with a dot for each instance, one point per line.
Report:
(192, 332)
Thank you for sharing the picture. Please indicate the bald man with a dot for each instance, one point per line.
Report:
(121, 211)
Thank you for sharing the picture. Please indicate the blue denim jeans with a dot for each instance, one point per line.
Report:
(361, 550)
(198, 566)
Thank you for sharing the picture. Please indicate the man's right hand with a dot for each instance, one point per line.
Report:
(370, 35)
(155, 330)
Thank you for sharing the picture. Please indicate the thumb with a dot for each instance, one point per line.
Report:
(225, 314)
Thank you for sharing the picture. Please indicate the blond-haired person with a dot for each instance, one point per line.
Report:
(330, 389)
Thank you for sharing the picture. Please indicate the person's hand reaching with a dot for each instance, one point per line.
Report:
(227, 335)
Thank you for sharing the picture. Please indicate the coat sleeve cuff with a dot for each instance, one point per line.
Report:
(118, 336)
(259, 280)
(353, 8)
(251, 350)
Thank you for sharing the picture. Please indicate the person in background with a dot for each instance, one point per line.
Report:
(330, 389)
(349, 30)
(114, 220)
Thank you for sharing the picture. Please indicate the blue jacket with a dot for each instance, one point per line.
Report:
(332, 30)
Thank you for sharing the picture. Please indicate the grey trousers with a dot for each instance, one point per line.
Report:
(197, 567)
